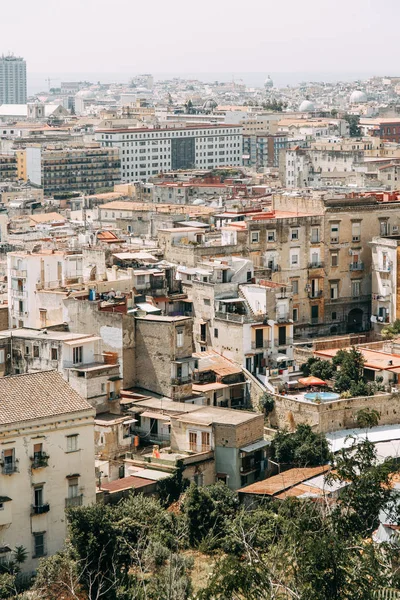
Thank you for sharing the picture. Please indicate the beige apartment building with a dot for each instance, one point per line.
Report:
(319, 244)
(46, 465)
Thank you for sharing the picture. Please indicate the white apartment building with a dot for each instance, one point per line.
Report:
(384, 275)
(30, 273)
(47, 462)
(146, 152)
(12, 79)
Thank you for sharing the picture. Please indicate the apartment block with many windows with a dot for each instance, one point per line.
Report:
(146, 152)
(46, 462)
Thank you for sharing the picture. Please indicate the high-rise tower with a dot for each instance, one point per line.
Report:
(12, 80)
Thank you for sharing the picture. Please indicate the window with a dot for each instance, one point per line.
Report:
(295, 285)
(334, 233)
(103, 388)
(179, 338)
(270, 236)
(73, 487)
(255, 237)
(334, 259)
(215, 333)
(355, 232)
(207, 301)
(39, 547)
(384, 228)
(9, 461)
(77, 353)
(314, 235)
(193, 441)
(294, 260)
(38, 493)
(334, 290)
(141, 279)
(334, 316)
(295, 314)
(294, 234)
(35, 351)
(205, 441)
(356, 288)
(72, 443)
(54, 354)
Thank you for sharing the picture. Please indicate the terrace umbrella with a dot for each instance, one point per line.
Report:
(312, 381)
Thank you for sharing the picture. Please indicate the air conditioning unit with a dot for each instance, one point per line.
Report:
(242, 454)
(395, 228)
(128, 455)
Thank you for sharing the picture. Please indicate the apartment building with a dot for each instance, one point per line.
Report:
(145, 152)
(29, 276)
(318, 243)
(264, 150)
(385, 265)
(47, 462)
(79, 358)
(84, 169)
(310, 167)
(8, 167)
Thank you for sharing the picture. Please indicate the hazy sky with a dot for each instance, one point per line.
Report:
(128, 36)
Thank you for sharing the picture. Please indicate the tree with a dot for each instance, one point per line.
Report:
(303, 448)
(350, 377)
(354, 125)
(267, 403)
(317, 367)
(367, 418)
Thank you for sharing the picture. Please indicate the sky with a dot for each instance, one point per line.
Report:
(126, 37)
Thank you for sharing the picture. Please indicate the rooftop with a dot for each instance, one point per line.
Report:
(274, 486)
(38, 395)
(207, 415)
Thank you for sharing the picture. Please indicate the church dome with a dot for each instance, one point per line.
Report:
(358, 97)
(268, 83)
(306, 106)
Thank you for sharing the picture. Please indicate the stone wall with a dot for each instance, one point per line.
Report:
(332, 416)
(236, 436)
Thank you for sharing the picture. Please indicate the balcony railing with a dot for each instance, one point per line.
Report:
(349, 299)
(357, 266)
(315, 265)
(383, 268)
(234, 317)
(283, 318)
(18, 273)
(9, 468)
(40, 509)
(287, 342)
(40, 460)
(317, 294)
(260, 345)
(19, 293)
(73, 502)
(180, 380)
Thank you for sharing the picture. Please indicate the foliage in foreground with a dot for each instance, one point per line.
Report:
(276, 550)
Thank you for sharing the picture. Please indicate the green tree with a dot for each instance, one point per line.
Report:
(354, 125)
(367, 418)
(302, 448)
(267, 403)
(350, 376)
(324, 369)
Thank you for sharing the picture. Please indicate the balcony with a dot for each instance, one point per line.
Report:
(19, 274)
(20, 294)
(9, 468)
(357, 266)
(40, 460)
(259, 345)
(384, 268)
(334, 240)
(40, 509)
(287, 342)
(316, 265)
(181, 380)
(73, 502)
(315, 294)
(285, 318)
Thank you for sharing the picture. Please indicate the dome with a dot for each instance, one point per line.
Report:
(210, 104)
(85, 94)
(357, 97)
(306, 106)
(268, 83)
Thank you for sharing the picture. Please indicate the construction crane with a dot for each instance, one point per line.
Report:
(49, 81)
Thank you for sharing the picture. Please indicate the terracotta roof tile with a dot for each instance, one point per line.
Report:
(37, 395)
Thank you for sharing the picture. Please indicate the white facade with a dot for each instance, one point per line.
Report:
(384, 281)
(27, 275)
(147, 152)
(47, 464)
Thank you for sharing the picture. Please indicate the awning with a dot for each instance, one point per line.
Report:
(255, 446)
(281, 357)
(129, 421)
(394, 370)
(293, 382)
(312, 381)
(146, 306)
(229, 300)
(155, 415)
